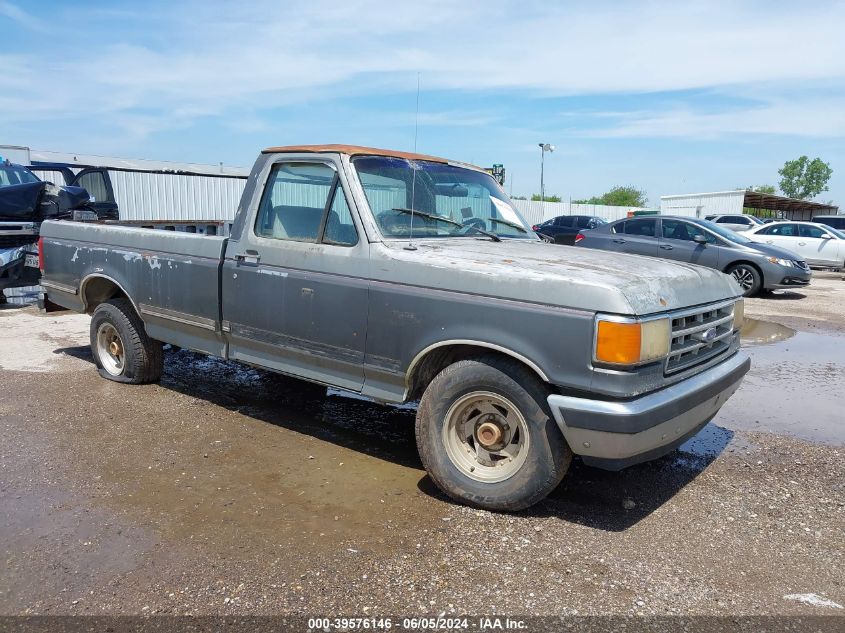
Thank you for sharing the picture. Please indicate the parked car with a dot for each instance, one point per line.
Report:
(835, 221)
(564, 228)
(24, 202)
(737, 221)
(754, 266)
(347, 267)
(818, 244)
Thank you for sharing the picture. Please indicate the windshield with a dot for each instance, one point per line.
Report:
(836, 232)
(15, 175)
(724, 233)
(448, 201)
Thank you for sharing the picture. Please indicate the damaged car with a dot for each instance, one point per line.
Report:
(25, 201)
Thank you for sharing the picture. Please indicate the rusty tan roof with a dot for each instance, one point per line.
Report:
(352, 150)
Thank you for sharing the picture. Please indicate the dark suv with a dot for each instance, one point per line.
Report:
(564, 228)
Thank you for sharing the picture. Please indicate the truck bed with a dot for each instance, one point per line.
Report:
(172, 277)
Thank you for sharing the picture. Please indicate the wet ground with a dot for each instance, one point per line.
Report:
(230, 490)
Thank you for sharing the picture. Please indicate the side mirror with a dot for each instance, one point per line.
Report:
(699, 239)
(827, 236)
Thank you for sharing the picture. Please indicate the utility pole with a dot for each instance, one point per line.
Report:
(544, 147)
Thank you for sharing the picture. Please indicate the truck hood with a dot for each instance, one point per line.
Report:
(561, 276)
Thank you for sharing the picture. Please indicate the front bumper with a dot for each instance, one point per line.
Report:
(13, 269)
(614, 434)
(783, 277)
(790, 281)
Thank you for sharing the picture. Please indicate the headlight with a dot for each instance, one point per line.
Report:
(631, 342)
(783, 262)
(739, 314)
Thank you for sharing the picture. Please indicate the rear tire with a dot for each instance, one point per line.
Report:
(487, 438)
(122, 350)
(748, 278)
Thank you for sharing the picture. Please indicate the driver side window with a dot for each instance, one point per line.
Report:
(304, 202)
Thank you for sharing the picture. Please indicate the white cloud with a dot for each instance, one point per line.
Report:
(823, 118)
(170, 64)
(21, 17)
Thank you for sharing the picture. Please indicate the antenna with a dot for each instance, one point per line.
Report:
(410, 246)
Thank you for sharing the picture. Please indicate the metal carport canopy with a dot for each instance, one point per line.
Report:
(791, 207)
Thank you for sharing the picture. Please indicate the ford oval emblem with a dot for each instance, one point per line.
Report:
(708, 335)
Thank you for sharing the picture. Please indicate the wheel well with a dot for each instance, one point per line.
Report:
(747, 263)
(97, 290)
(436, 360)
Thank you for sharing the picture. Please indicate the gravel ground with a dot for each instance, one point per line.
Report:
(227, 490)
(818, 307)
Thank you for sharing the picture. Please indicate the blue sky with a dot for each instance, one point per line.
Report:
(671, 97)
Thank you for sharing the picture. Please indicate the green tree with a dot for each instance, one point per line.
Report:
(763, 189)
(536, 198)
(619, 196)
(625, 197)
(804, 178)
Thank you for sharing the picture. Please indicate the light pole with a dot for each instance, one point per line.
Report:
(544, 147)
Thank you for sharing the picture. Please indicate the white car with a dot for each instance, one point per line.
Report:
(817, 244)
(736, 221)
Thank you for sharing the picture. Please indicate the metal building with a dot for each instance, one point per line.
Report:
(700, 205)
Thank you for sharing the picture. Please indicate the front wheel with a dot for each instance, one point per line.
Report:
(486, 437)
(748, 278)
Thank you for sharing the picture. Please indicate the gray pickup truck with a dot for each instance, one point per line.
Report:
(406, 277)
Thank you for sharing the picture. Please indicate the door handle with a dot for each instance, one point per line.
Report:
(667, 247)
(770, 242)
(619, 241)
(248, 257)
(802, 243)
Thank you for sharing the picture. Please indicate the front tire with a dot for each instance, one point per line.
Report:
(122, 350)
(486, 437)
(748, 278)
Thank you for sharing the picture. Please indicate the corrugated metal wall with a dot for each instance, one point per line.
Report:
(175, 197)
(168, 197)
(703, 204)
(535, 211)
(55, 177)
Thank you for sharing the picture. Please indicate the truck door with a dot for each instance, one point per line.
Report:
(294, 286)
(98, 185)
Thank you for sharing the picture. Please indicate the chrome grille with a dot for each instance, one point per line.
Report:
(699, 335)
(802, 265)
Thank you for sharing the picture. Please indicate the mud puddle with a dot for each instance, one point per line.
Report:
(794, 387)
(760, 332)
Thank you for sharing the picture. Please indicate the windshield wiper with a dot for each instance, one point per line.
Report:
(513, 225)
(434, 216)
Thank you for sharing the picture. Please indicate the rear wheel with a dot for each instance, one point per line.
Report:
(486, 437)
(122, 350)
(748, 278)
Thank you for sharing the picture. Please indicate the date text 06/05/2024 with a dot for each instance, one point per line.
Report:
(417, 623)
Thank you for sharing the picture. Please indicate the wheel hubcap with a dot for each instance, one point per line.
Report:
(744, 278)
(485, 436)
(110, 349)
(489, 434)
